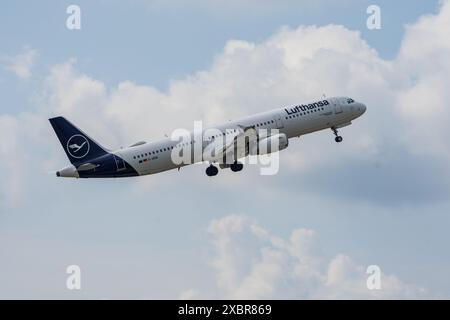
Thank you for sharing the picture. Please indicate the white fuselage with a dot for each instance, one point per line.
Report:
(154, 157)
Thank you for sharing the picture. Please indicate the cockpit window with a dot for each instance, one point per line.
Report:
(350, 100)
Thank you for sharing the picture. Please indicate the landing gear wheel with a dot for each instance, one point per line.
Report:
(338, 138)
(236, 166)
(211, 171)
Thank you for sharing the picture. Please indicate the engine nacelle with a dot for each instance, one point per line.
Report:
(274, 143)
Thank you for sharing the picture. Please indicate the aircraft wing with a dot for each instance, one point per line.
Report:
(220, 147)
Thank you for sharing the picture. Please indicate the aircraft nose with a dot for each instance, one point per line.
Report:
(362, 108)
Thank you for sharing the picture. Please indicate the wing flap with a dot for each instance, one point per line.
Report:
(218, 149)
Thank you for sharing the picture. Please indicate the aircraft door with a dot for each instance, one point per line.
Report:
(337, 106)
(279, 123)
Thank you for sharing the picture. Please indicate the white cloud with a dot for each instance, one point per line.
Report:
(422, 103)
(252, 263)
(23, 154)
(20, 64)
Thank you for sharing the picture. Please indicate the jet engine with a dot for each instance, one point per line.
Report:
(274, 143)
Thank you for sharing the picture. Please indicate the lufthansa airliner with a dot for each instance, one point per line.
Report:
(265, 133)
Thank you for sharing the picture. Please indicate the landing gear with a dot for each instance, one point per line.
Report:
(211, 171)
(338, 138)
(236, 166)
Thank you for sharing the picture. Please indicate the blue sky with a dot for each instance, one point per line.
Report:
(143, 67)
(151, 42)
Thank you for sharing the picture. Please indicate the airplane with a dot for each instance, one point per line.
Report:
(90, 160)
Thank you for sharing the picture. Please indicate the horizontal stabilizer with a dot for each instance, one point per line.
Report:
(87, 166)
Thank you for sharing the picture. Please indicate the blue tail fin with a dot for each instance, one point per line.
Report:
(78, 146)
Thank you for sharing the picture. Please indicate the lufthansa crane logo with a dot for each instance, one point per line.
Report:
(78, 146)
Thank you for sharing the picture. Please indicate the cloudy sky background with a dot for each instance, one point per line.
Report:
(139, 70)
